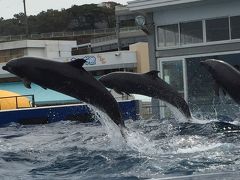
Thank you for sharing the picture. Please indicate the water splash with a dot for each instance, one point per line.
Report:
(198, 148)
(191, 144)
(113, 130)
(202, 121)
(134, 139)
(180, 117)
(125, 137)
(138, 141)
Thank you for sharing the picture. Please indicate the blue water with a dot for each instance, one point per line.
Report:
(151, 150)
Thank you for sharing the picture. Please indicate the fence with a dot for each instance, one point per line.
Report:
(15, 102)
(106, 31)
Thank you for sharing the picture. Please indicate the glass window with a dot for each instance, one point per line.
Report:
(201, 95)
(168, 35)
(217, 29)
(191, 32)
(235, 27)
(161, 37)
(173, 74)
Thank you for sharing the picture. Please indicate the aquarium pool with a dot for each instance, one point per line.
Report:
(153, 149)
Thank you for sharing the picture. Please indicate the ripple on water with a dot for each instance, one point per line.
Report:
(152, 149)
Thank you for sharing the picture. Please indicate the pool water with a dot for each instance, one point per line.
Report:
(151, 149)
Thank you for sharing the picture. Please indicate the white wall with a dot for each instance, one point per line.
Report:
(13, 45)
(43, 48)
(40, 48)
(108, 58)
(39, 52)
(55, 49)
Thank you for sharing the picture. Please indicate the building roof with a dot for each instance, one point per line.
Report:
(150, 4)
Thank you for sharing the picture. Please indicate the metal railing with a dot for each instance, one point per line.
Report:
(129, 29)
(16, 99)
(103, 39)
(58, 34)
(114, 37)
(106, 31)
(147, 111)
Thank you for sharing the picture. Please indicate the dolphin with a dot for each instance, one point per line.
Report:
(225, 76)
(148, 84)
(69, 78)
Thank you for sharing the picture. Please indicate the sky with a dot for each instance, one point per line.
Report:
(10, 7)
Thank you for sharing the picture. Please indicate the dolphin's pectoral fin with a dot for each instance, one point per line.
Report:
(26, 83)
(216, 88)
(153, 74)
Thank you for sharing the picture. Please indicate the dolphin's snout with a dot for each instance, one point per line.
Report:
(5, 68)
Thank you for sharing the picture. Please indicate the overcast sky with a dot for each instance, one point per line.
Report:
(10, 7)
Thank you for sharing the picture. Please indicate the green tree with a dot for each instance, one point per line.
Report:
(76, 18)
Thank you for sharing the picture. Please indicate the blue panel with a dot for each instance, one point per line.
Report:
(129, 110)
(44, 114)
(41, 95)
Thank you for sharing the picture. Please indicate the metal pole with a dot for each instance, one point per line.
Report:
(26, 19)
(16, 102)
(118, 32)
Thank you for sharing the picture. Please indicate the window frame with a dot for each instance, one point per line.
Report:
(195, 21)
(204, 43)
(164, 38)
(216, 18)
(231, 27)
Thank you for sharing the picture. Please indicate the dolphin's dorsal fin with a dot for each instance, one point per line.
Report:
(77, 62)
(153, 74)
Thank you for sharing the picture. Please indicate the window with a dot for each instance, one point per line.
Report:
(191, 32)
(173, 74)
(168, 35)
(185, 33)
(217, 29)
(235, 27)
(201, 95)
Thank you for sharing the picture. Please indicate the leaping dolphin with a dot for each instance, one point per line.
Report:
(69, 78)
(148, 84)
(225, 76)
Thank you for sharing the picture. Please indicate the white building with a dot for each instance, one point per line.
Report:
(40, 48)
(184, 32)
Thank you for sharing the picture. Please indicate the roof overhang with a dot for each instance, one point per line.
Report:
(146, 5)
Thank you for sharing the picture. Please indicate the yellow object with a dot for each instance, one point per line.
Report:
(11, 100)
